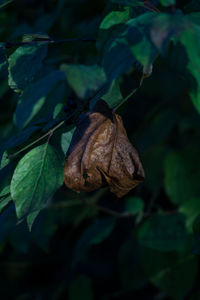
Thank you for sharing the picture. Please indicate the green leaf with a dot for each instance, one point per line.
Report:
(66, 140)
(177, 281)
(24, 64)
(4, 3)
(167, 2)
(95, 234)
(113, 97)
(31, 219)
(164, 233)
(173, 273)
(79, 287)
(36, 178)
(34, 98)
(182, 173)
(84, 80)
(191, 209)
(5, 191)
(190, 38)
(114, 18)
(4, 202)
(117, 58)
(131, 270)
(134, 205)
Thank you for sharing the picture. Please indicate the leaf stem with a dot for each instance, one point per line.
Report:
(49, 134)
(125, 99)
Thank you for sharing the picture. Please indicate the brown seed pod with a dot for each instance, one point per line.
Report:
(100, 154)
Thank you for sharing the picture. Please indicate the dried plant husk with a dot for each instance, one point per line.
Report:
(100, 154)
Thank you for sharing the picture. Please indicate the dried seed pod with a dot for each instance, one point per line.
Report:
(101, 154)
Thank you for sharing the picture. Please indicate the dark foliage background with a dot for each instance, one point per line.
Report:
(145, 245)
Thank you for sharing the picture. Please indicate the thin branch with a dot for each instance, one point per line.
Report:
(45, 41)
(49, 134)
(109, 211)
(125, 99)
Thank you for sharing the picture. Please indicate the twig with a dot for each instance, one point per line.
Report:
(15, 44)
(49, 134)
(109, 211)
(125, 99)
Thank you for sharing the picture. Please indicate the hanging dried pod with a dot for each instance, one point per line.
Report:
(100, 154)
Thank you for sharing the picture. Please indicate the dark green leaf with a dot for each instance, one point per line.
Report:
(164, 232)
(4, 202)
(113, 97)
(168, 2)
(182, 173)
(177, 281)
(191, 209)
(114, 18)
(173, 273)
(18, 139)
(79, 287)
(131, 270)
(35, 96)
(24, 64)
(134, 205)
(190, 38)
(4, 2)
(85, 80)
(36, 178)
(95, 234)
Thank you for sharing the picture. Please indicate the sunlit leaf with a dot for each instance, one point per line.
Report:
(36, 178)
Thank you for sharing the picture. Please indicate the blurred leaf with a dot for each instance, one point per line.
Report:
(164, 232)
(177, 281)
(36, 178)
(95, 234)
(154, 172)
(134, 205)
(173, 273)
(81, 286)
(190, 38)
(85, 80)
(35, 97)
(195, 17)
(131, 270)
(4, 2)
(24, 63)
(168, 2)
(193, 5)
(191, 209)
(114, 18)
(182, 173)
